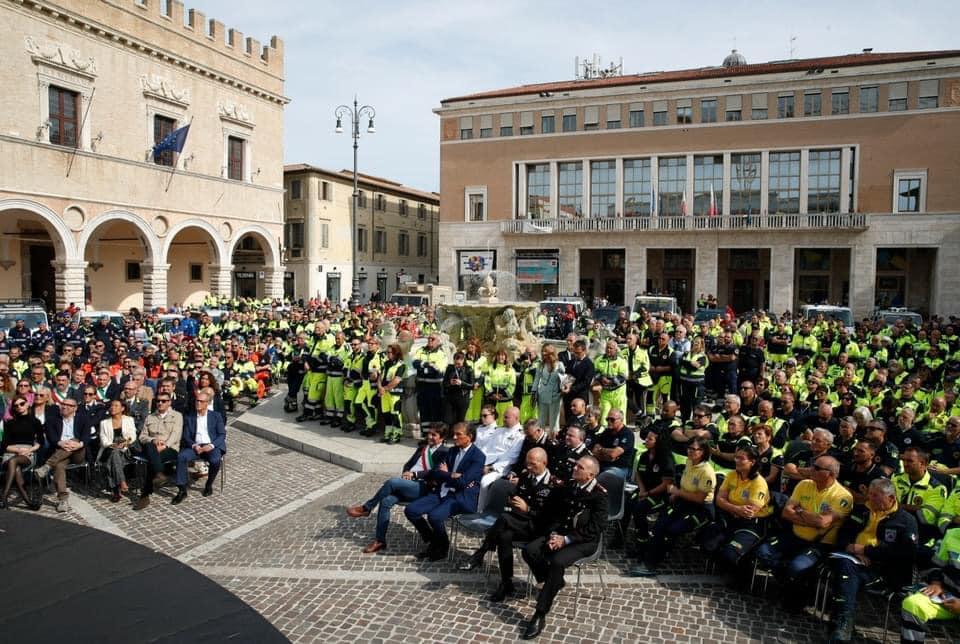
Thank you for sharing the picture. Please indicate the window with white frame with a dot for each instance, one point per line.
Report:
(823, 181)
(570, 189)
(538, 190)
(475, 203)
(672, 179)
(745, 183)
(603, 188)
(707, 177)
(637, 193)
(783, 188)
(909, 191)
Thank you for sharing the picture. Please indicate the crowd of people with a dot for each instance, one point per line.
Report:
(792, 445)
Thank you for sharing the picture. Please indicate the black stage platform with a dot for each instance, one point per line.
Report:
(64, 582)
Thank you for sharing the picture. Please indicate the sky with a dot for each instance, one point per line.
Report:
(403, 57)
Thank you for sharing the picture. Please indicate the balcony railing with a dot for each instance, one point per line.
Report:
(644, 223)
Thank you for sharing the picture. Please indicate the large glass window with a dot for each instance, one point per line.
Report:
(636, 187)
(538, 190)
(785, 106)
(64, 123)
(548, 124)
(745, 183)
(908, 195)
(603, 188)
(707, 175)
(672, 181)
(823, 181)
(811, 104)
(570, 189)
(784, 185)
(869, 99)
(840, 102)
(708, 110)
(636, 118)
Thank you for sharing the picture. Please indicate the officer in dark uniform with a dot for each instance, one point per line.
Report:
(19, 335)
(573, 449)
(522, 520)
(887, 455)
(534, 436)
(573, 533)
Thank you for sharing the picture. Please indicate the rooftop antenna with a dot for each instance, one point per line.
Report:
(593, 68)
(793, 47)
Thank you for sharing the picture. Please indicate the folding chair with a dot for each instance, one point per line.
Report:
(580, 564)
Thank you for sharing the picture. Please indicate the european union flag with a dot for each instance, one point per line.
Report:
(173, 141)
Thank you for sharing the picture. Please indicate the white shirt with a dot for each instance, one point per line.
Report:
(67, 434)
(203, 436)
(445, 489)
(422, 464)
(500, 445)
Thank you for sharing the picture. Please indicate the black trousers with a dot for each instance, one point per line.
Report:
(430, 402)
(455, 405)
(509, 528)
(548, 566)
(155, 461)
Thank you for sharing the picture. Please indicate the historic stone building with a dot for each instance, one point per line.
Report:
(770, 185)
(397, 234)
(87, 213)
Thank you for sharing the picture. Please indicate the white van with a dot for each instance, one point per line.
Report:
(841, 313)
(654, 304)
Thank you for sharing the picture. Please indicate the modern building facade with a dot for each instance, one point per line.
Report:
(396, 241)
(87, 213)
(770, 185)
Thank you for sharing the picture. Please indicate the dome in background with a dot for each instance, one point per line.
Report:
(734, 59)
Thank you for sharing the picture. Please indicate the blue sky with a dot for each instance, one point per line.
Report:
(403, 57)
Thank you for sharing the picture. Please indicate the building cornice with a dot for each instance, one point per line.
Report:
(115, 37)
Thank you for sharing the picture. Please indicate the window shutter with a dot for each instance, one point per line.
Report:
(734, 102)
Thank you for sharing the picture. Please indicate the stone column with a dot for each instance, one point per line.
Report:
(863, 279)
(221, 279)
(273, 282)
(705, 272)
(69, 283)
(569, 269)
(635, 273)
(781, 279)
(154, 285)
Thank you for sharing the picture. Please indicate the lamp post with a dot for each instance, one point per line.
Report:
(355, 114)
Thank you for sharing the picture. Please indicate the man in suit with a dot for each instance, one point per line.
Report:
(136, 407)
(573, 533)
(522, 520)
(411, 485)
(458, 480)
(71, 433)
(582, 371)
(159, 443)
(204, 437)
(106, 387)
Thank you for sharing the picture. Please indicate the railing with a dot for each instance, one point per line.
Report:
(745, 223)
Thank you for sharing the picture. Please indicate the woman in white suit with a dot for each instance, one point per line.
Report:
(117, 433)
(546, 388)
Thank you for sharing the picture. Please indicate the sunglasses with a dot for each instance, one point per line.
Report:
(611, 419)
(20, 403)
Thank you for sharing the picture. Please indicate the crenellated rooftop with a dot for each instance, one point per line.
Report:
(187, 38)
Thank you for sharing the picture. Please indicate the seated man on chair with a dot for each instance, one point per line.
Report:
(159, 444)
(500, 445)
(458, 478)
(411, 485)
(573, 533)
(522, 520)
(204, 437)
(71, 433)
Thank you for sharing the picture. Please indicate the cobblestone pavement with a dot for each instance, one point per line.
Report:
(278, 537)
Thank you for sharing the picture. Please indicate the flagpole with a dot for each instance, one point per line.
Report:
(83, 122)
(174, 168)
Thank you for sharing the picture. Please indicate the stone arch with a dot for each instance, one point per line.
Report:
(269, 244)
(219, 246)
(63, 240)
(150, 241)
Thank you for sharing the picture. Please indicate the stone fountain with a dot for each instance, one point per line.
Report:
(499, 324)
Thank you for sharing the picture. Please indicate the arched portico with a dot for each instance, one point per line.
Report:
(254, 250)
(123, 269)
(195, 255)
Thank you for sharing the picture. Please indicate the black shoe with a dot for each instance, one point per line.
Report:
(178, 499)
(34, 504)
(207, 490)
(438, 554)
(474, 562)
(367, 432)
(534, 627)
(501, 593)
(301, 418)
(424, 554)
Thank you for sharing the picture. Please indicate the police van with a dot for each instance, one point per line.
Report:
(654, 304)
(891, 316)
(32, 312)
(842, 314)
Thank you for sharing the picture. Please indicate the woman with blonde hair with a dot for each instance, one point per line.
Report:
(546, 389)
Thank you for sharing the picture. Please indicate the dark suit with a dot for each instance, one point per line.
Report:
(514, 525)
(453, 496)
(138, 409)
(582, 372)
(579, 516)
(218, 438)
(83, 430)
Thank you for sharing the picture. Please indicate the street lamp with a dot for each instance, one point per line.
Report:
(355, 114)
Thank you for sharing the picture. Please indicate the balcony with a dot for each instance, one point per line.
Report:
(739, 223)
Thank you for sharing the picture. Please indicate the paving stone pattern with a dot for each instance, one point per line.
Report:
(305, 573)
